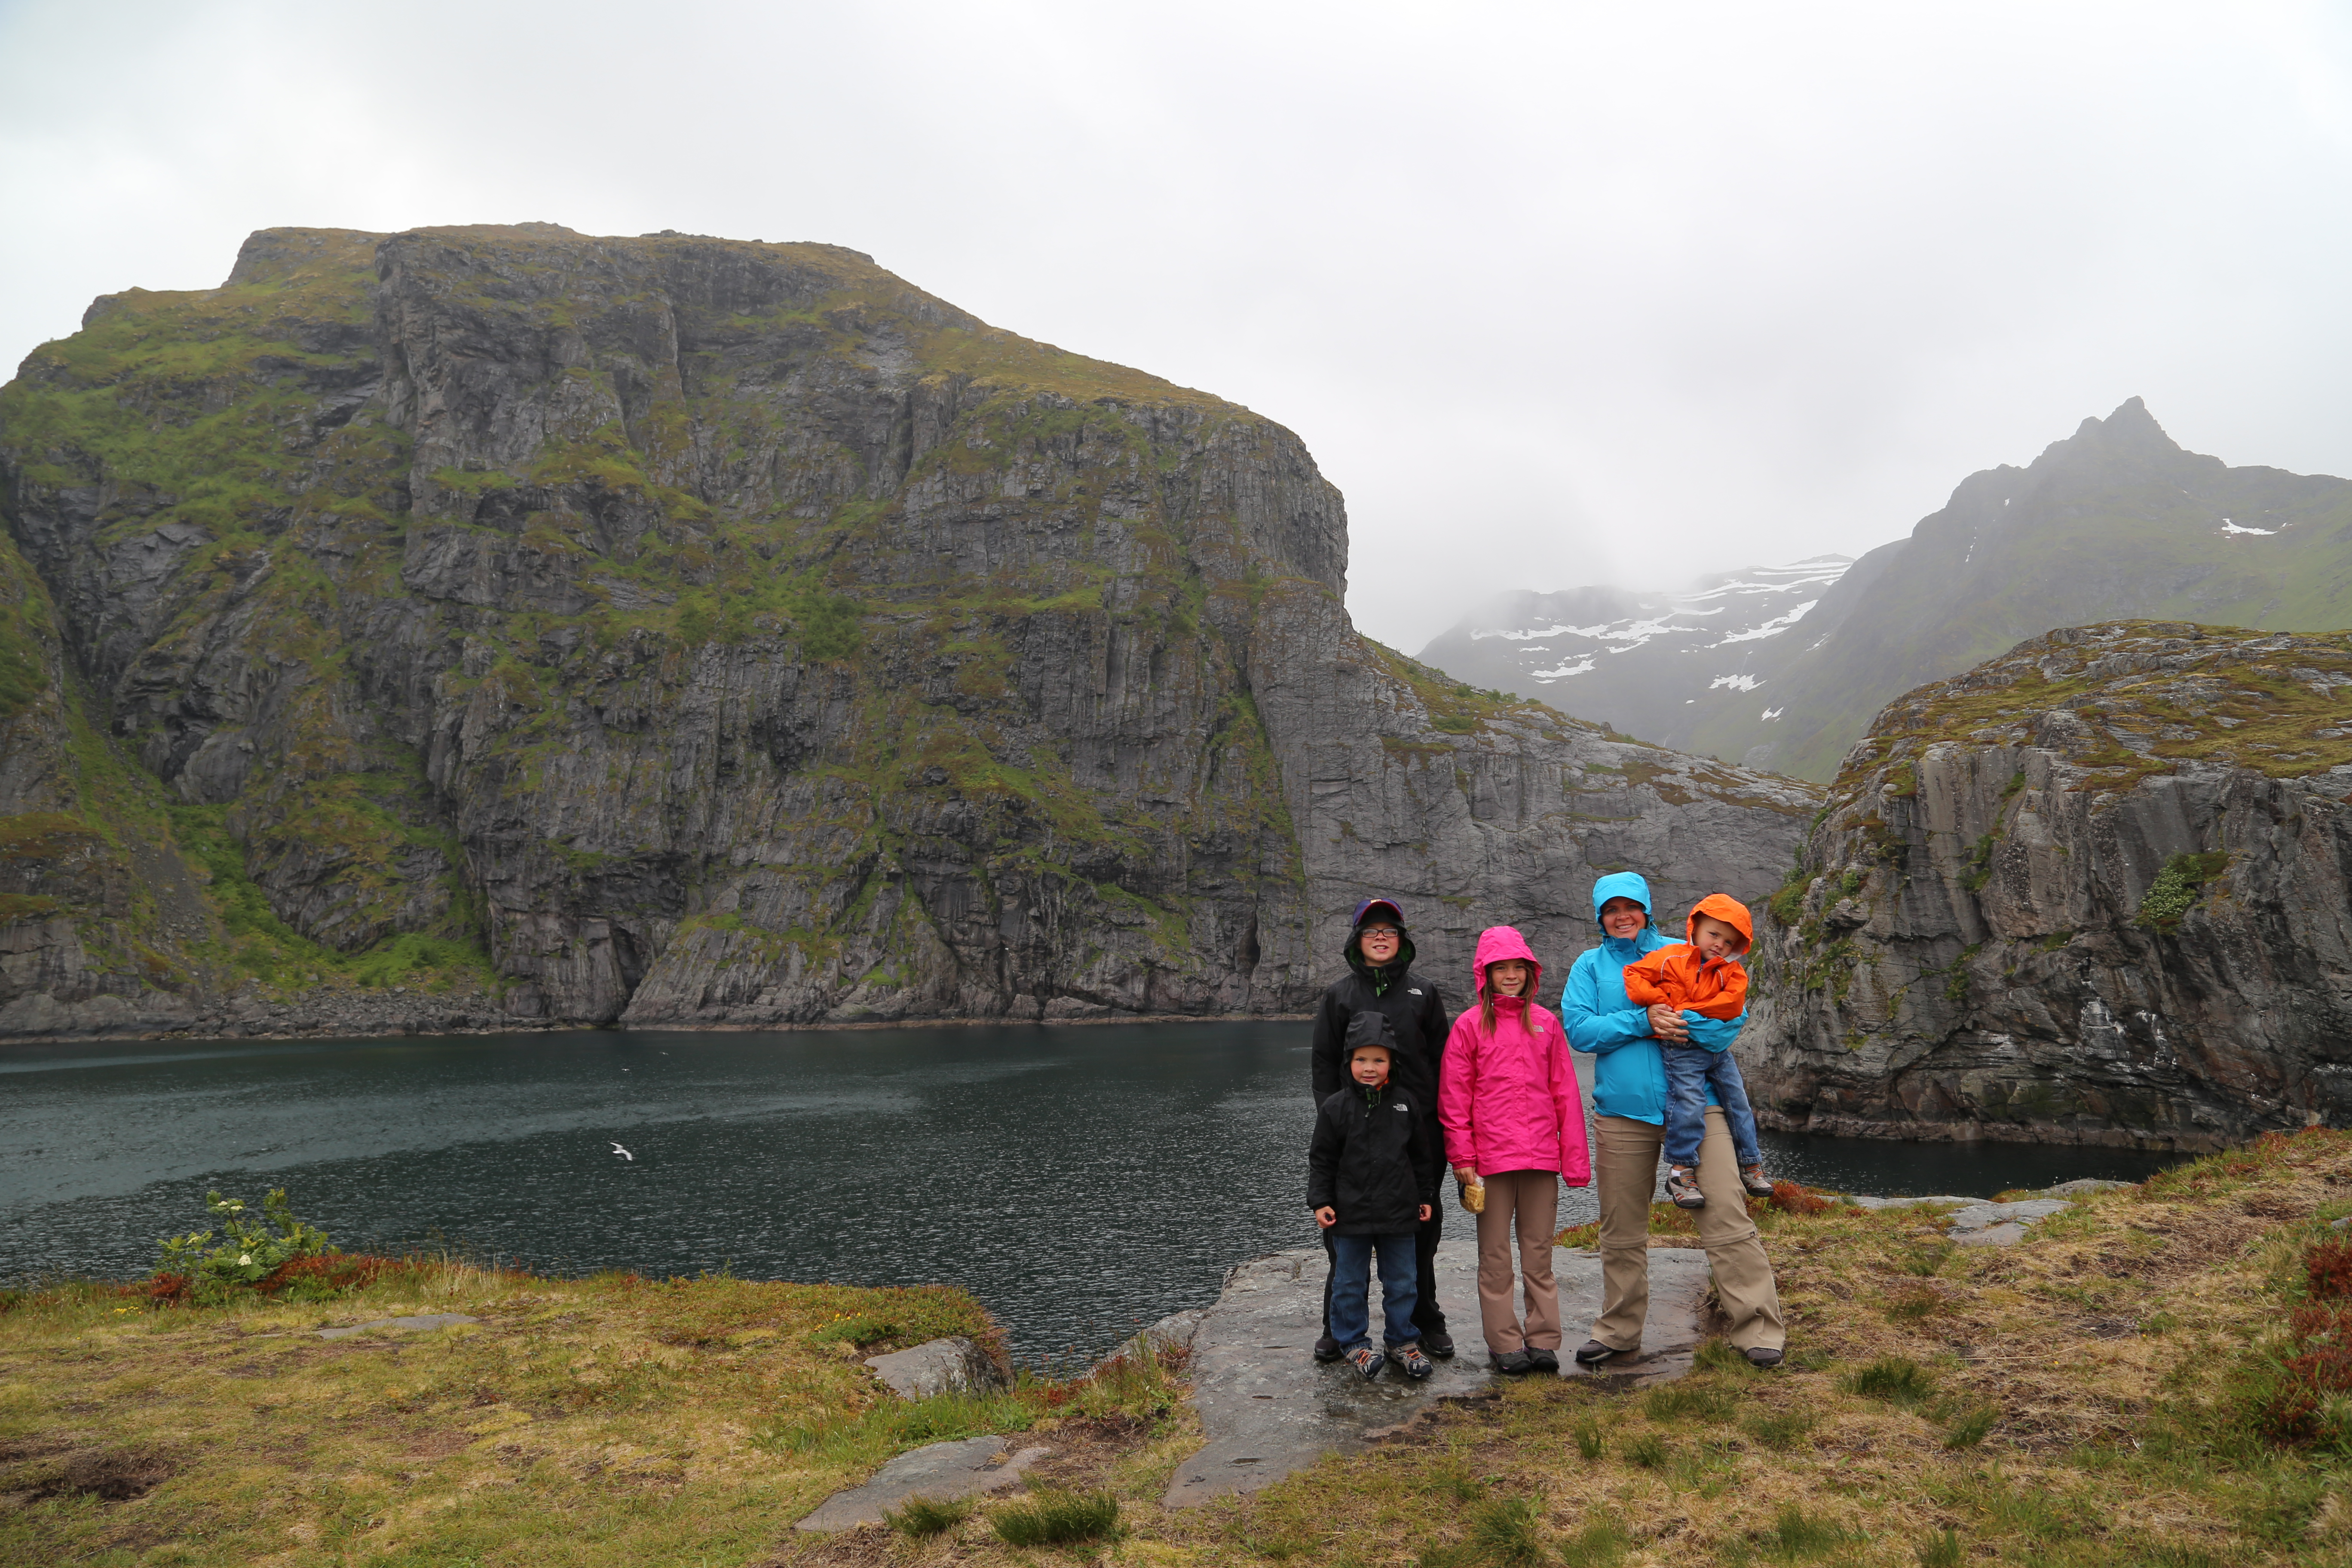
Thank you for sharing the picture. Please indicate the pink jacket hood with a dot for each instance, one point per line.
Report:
(1496, 943)
(1507, 1096)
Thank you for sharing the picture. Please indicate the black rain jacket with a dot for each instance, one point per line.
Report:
(1374, 1159)
(1414, 1009)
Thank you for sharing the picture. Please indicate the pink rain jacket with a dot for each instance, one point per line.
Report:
(1509, 1100)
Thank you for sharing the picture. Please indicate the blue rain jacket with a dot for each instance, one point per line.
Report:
(1629, 1076)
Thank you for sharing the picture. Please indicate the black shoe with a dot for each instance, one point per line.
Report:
(1513, 1363)
(1326, 1348)
(1592, 1353)
(1763, 1355)
(1439, 1344)
(1542, 1361)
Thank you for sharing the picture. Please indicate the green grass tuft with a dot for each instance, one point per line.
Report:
(1898, 1380)
(921, 1517)
(1058, 1519)
(1510, 1532)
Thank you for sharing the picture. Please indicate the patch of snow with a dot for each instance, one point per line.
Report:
(2228, 527)
(1564, 671)
(1773, 713)
(1770, 628)
(1737, 682)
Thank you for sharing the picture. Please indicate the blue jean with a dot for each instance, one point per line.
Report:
(1351, 1288)
(1689, 1070)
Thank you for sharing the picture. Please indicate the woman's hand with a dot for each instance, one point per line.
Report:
(1467, 1174)
(1424, 1214)
(1667, 1024)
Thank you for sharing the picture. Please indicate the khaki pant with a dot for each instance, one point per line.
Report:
(1526, 1202)
(1628, 1176)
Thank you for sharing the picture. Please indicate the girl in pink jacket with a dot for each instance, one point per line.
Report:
(1513, 1114)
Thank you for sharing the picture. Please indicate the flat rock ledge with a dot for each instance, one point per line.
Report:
(428, 1321)
(1269, 1408)
(952, 1365)
(940, 1472)
(1974, 1222)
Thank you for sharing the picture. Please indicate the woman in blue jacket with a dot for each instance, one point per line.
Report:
(1629, 1108)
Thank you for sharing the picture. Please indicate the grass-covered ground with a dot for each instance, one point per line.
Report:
(2162, 1376)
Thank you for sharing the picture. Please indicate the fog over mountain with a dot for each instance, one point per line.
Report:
(1556, 294)
(1783, 667)
(1651, 665)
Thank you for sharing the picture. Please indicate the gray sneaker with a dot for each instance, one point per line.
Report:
(1366, 1361)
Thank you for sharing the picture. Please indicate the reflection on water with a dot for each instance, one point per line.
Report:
(1077, 1180)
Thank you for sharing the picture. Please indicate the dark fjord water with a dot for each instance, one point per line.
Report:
(1077, 1180)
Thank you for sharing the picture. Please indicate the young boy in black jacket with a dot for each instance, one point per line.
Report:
(1371, 1179)
(1380, 979)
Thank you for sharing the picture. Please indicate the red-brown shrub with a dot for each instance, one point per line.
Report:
(1792, 1198)
(2327, 1270)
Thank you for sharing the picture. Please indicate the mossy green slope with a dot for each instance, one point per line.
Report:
(393, 654)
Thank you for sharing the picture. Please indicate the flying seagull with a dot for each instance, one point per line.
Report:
(624, 1154)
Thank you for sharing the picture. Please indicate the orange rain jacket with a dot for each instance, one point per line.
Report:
(1676, 977)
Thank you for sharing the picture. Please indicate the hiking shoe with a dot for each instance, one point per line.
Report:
(1757, 1184)
(1513, 1363)
(1682, 1186)
(1438, 1342)
(1592, 1353)
(1542, 1361)
(1415, 1363)
(1366, 1361)
(1326, 1348)
(1763, 1355)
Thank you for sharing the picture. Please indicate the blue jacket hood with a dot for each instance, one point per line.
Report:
(1622, 884)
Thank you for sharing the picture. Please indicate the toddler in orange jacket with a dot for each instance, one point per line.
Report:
(1702, 976)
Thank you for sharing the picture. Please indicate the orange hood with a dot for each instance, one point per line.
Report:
(1729, 910)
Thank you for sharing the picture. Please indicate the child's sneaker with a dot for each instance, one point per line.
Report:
(1682, 1186)
(1413, 1361)
(1757, 1184)
(1366, 1361)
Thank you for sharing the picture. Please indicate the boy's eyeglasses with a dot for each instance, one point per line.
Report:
(1389, 931)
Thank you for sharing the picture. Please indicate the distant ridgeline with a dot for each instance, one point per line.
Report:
(690, 630)
(1783, 667)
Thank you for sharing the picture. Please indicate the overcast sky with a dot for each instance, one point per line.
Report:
(1557, 293)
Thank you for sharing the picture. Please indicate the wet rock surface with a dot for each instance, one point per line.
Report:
(1268, 1407)
(2096, 890)
(940, 1472)
(698, 632)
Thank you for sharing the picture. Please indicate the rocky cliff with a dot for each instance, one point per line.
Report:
(2098, 888)
(528, 626)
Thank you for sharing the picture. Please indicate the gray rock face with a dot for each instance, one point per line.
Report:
(721, 633)
(939, 1472)
(951, 1365)
(2093, 890)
